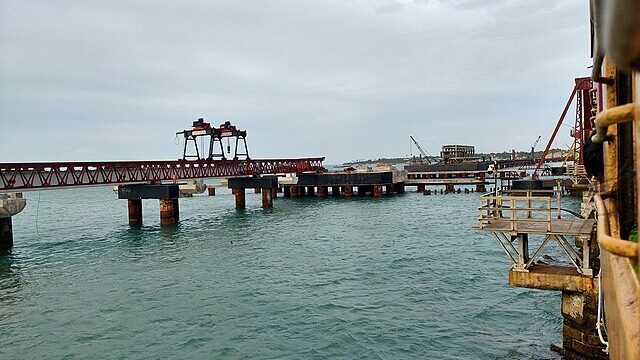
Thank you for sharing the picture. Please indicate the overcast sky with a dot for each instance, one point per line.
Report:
(89, 80)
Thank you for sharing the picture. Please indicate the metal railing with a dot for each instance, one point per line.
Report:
(519, 206)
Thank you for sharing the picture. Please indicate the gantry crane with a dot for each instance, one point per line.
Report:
(226, 130)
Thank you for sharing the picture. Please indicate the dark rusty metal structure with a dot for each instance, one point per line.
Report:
(226, 130)
(27, 176)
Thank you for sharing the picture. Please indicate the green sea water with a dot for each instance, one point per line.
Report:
(402, 277)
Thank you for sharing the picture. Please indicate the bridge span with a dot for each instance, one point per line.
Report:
(43, 175)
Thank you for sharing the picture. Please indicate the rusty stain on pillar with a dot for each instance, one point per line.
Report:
(348, 191)
(6, 233)
(287, 191)
(240, 197)
(169, 211)
(267, 198)
(274, 193)
(335, 191)
(322, 191)
(311, 191)
(135, 211)
(377, 191)
(212, 191)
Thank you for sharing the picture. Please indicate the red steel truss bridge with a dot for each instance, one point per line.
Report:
(27, 176)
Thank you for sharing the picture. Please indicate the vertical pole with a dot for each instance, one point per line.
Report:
(212, 191)
(135, 211)
(302, 190)
(240, 197)
(322, 191)
(274, 193)
(559, 196)
(6, 233)
(389, 189)
(169, 211)
(523, 250)
(311, 191)
(335, 191)
(348, 191)
(377, 191)
(267, 199)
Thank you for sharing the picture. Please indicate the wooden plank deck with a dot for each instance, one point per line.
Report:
(558, 226)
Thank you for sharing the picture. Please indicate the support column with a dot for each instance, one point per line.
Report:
(240, 198)
(523, 250)
(212, 191)
(257, 190)
(399, 188)
(335, 191)
(287, 191)
(302, 190)
(481, 188)
(348, 191)
(421, 187)
(322, 191)
(6, 233)
(377, 191)
(311, 191)
(169, 211)
(449, 189)
(274, 193)
(295, 191)
(267, 198)
(362, 190)
(135, 211)
(389, 189)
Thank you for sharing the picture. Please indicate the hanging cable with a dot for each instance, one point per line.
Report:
(600, 325)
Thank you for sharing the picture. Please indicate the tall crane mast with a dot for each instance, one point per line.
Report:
(425, 155)
(533, 147)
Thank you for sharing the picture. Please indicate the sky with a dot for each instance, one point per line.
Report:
(344, 79)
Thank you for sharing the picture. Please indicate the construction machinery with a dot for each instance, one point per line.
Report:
(533, 147)
(226, 130)
(423, 154)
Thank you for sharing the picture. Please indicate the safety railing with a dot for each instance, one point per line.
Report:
(519, 206)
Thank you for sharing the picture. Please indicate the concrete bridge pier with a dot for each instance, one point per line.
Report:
(481, 188)
(6, 233)
(421, 187)
(348, 191)
(10, 205)
(389, 189)
(335, 191)
(302, 190)
(212, 191)
(322, 191)
(267, 198)
(311, 191)
(449, 188)
(169, 211)
(274, 193)
(377, 191)
(287, 191)
(240, 197)
(135, 211)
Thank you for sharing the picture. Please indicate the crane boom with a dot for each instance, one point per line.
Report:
(425, 155)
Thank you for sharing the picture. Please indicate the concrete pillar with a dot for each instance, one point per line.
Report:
(169, 211)
(212, 191)
(322, 191)
(421, 187)
(389, 189)
(311, 191)
(399, 188)
(295, 191)
(449, 189)
(267, 198)
(348, 191)
(6, 233)
(579, 334)
(274, 193)
(135, 211)
(362, 190)
(240, 198)
(377, 191)
(335, 191)
(302, 190)
(481, 188)
(287, 191)
(523, 250)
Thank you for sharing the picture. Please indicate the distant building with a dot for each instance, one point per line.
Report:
(457, 153)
